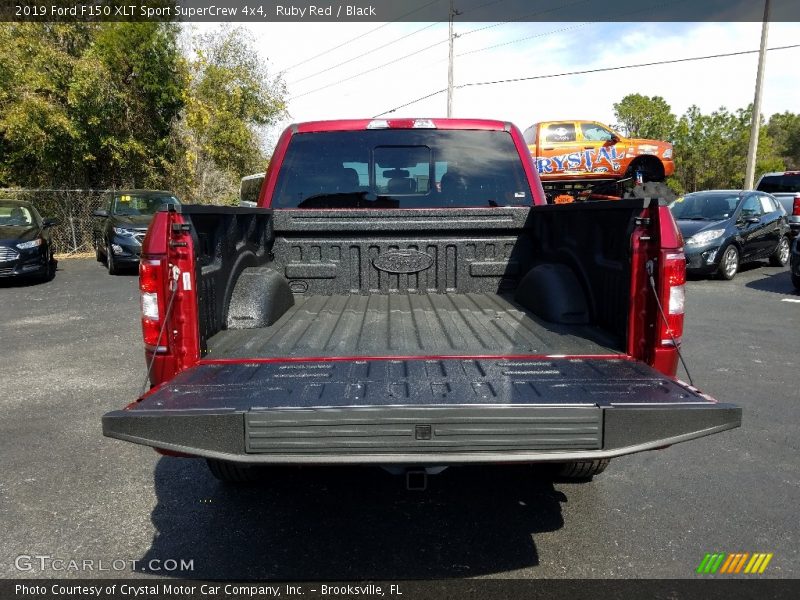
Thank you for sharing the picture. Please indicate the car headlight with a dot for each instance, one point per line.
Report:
(124, 232)
(700, 239)
(668, 153)
(31, 244)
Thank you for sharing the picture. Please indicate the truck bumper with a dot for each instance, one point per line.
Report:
(522, 412)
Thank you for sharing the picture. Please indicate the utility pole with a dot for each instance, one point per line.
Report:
(451, 37)
(755, 126)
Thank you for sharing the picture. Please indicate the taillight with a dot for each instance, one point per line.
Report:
(796, 206)
(151, 286)
(673, 286)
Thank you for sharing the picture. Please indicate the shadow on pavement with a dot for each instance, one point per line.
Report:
(777, 283)
(350, 523)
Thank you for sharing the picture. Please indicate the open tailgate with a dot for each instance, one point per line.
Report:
(420, 411)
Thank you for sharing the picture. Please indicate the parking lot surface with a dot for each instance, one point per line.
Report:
(72, 351)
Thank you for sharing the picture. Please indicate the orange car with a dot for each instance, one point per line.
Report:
(580, 150)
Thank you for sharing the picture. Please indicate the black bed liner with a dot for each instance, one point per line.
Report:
(431, 411)
(409, 325)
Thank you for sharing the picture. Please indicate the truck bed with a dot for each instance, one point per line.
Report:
(474, 324)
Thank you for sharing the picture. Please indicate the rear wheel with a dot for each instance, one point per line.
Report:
(796, 281)
(780, 258)
(229, 472)
(97, 254)
(50, 273)
(729, 263)
(581, 470)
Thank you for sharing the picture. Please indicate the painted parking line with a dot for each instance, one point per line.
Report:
(791, 300)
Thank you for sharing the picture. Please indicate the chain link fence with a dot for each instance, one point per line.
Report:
(73, 210)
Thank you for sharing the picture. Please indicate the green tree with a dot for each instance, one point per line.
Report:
(230, 99)
(645, 117)
(125, 95)
(37, 62)
(711, 150)
(784, 129)
(88, 105)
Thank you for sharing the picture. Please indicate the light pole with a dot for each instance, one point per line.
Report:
(755, 125)
(451, 37)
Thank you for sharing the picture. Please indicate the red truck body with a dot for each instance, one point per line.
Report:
(444, 324)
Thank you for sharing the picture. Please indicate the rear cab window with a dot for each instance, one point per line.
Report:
(402, 168)
(787, 183)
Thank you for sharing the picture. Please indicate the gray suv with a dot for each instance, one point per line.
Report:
(785, 187)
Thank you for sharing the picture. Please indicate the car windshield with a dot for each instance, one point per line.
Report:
(14, 214)
(140, 204)
(780, 184)
(709, 206)
(402, 168)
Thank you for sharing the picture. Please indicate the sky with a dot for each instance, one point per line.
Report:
(321, 87)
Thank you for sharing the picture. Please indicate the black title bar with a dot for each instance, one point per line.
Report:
(484, 589)
(261, 11)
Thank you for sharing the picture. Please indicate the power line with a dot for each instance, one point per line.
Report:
(586, 72)
(420, 99)
(530, 37)
(391, 62)
(520, 19)
(387, 44)
(620, 67)
(358, 37)
(335, 83)
(349, 60)
(569, 28)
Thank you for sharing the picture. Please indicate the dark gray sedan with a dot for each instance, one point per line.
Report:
(122, 225)
(723, 229)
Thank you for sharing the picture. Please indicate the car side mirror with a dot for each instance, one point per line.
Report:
(100, 212)
(753, 220)
(50, 222)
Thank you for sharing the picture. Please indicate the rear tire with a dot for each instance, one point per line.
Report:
(229, 472)
(581, 470)
(796, 281)
(50, 274)
(97, 254)
(780, 258)
(729, 263)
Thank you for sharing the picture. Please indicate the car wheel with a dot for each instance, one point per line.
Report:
(581, 470)
(780, 258)
(229, 472)
(796, 281)
(729, 263)
(51, 269)
(97, 254)
(113, 269)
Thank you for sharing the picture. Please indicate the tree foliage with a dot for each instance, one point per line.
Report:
(96, 105)
(711, 149)
(230, 99)
(644, 117)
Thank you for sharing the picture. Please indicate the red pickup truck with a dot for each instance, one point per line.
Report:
(404, 296)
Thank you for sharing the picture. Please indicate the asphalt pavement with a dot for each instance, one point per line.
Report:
(71, 351)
